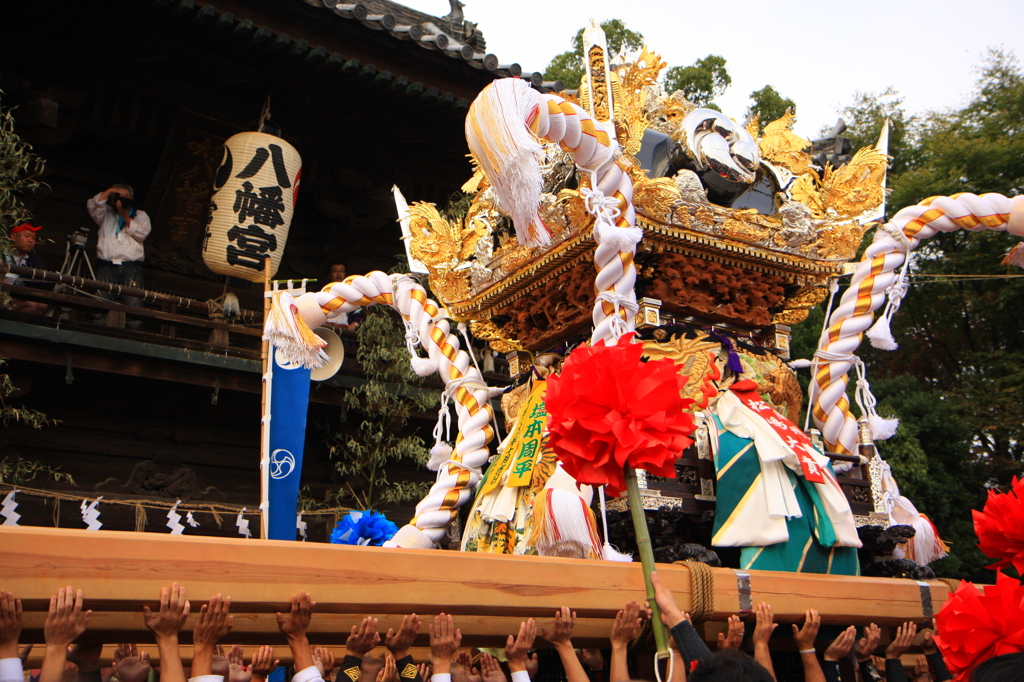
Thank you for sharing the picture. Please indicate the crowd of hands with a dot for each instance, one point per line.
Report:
(67, 620)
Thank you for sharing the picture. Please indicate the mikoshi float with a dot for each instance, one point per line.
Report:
(641, 261)
(576, 203)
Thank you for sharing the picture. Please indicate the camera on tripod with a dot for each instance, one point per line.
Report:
(114, 197)
(78, 239)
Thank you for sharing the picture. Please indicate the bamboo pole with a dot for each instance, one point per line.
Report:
(268, 375)
(643, 544)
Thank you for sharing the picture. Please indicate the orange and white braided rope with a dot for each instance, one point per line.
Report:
(875, 274)
(427, 327)
(502, 128)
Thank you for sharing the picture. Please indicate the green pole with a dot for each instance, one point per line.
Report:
(643, 544)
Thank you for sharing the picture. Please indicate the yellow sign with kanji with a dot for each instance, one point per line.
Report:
(524, 445)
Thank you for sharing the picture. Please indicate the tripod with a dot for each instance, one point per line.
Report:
(74, 257)
(74, 249)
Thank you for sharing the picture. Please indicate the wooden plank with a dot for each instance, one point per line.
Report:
(119, 570)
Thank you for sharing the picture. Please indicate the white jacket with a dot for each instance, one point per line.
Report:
(125, 247)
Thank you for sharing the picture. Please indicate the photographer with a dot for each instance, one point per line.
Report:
(119, 250)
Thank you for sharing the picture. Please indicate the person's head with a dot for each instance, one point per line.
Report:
(338, 272)
(124, 189)
(1005, 668)
(729, 666)
(24, 238)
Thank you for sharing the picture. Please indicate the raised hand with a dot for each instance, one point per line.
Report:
(561, 631)
(170, 618)
(842, 645)
(215, 621)
(65, 621)
(670, 613)
(517, 648)
(389, 673)
(326, 661)
(765, 624)
(370, 666)
(10, 624)
(445, 640)
(922, 672)
(398, 643)
(592, 658)
(533, 665)
(262, 664)
(805, 636)
(129, 665)
(627, 625)
(928, 644)
(462, 668)
(901, 642)
(296, 623)
(363, 637)
(734, 638)
(236, 666)
(424, 671)
(491, 669)
(869, 642)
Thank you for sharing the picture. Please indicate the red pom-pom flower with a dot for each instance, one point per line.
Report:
(609, 410)
(1000, 527)
(973, 627)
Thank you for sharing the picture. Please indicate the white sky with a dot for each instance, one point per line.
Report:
(815, 52)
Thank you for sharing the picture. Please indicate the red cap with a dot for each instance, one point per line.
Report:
(25, 226)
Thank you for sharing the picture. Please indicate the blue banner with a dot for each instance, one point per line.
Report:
(289, 402)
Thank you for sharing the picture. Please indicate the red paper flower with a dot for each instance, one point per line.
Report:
(1000, 527)
(608, 409)
(974, 627)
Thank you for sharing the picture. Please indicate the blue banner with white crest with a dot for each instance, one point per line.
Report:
(289, 402)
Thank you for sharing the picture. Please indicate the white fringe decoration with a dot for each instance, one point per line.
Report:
(509, 153)
(243, 524)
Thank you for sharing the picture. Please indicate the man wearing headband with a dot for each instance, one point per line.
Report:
(23, 238)
(119, 251)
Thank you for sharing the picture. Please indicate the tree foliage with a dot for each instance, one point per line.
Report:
(384, 404)
(768, 105)
(701, 82)
(569, 68)
(866, 116)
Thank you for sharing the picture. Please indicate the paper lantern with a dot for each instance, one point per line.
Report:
(255, 189)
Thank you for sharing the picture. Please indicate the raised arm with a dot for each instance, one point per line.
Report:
(517, 649)
(691, 645)
(10, 631)
(445, 640)
(398, 644)
(165, 625)
(262, 664)
(932, 654)
(294, 627)
(839, 649)
(625, 629)
(763, 628)
(905, 634)
(804, 638)
(65, 622)
(215, 621)
(560, 636)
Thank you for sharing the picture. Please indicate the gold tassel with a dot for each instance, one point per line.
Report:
(140, 518)
(216, 516)
(56, 512)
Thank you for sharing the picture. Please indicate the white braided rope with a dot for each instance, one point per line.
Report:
(875, 274)
(427, 324)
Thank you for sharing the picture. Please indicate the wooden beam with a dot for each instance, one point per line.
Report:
(120, 571)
